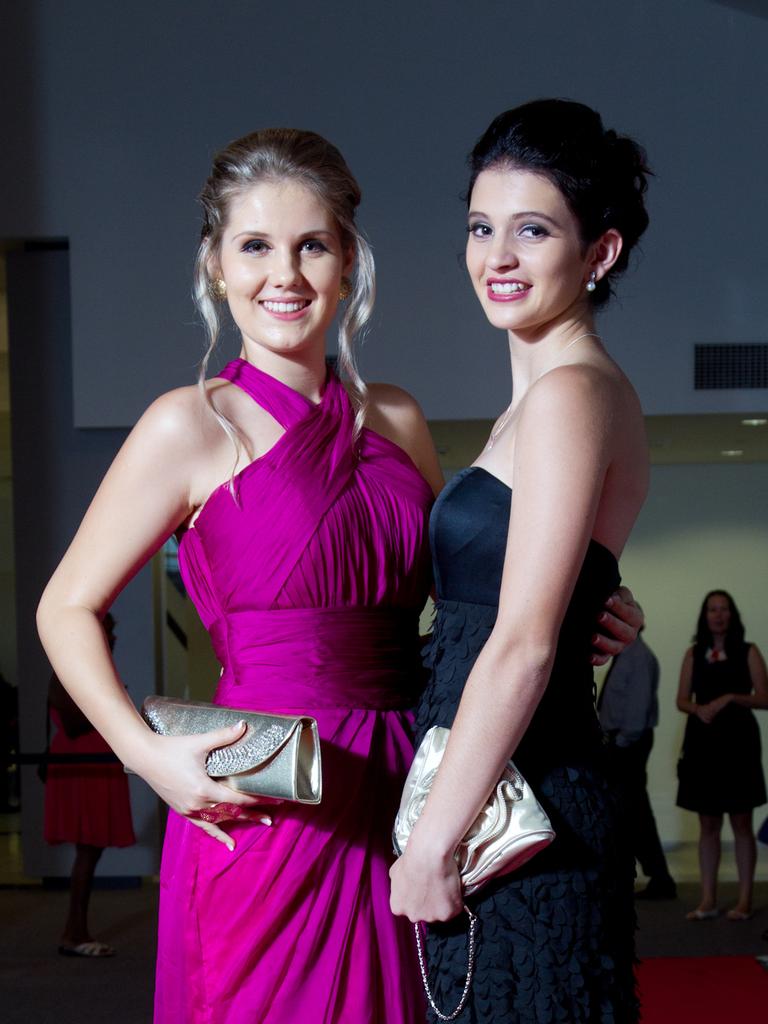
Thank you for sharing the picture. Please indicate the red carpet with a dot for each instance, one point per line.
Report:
(703, 990)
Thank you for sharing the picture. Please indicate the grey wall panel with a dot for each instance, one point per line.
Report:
(56, 469)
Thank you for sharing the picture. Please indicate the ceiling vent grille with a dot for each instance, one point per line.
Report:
(730, 366)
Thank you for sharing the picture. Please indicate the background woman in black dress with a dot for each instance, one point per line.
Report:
(722, 678)
(524, 545)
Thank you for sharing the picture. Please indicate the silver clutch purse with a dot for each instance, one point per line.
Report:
(277, 756)
(508, 831)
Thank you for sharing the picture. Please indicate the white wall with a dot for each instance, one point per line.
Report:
(703, 527)
(118, 108)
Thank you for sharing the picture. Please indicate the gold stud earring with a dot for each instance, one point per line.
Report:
(218, 288)
(345, 289)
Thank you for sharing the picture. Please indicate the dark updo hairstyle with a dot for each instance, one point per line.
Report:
(734, 638)
(601, 175)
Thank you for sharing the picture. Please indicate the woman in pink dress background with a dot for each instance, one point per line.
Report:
(302, 505)
(87, 805)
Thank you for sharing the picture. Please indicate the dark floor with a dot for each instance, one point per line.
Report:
(41, 987)
(663, 931)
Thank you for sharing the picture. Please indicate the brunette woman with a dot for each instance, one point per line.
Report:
(525, 545)
(722, 679)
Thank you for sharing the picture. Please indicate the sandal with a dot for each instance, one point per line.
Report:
(87, 949)
(702, 915)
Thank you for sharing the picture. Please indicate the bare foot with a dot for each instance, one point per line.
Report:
(740, 912)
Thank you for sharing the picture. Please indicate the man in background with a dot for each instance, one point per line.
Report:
(629, 711)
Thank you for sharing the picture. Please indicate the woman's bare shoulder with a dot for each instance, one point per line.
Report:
(596, 396)
(392, 398)
(171, 419)
(176, 442)
(183, 416)
(396, 414)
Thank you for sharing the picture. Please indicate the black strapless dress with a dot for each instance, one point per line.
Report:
(555, 941)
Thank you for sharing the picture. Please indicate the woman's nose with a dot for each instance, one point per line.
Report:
(502, 254)
(285, 268)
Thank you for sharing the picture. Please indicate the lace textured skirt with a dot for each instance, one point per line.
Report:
(555, 941)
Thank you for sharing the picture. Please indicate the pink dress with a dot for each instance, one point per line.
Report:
(310, 585)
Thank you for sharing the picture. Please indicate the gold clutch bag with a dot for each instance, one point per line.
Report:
(508, 831)
(277, 756)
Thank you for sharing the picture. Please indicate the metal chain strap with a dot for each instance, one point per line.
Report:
(470, 969)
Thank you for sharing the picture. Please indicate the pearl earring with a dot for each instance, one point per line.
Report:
(592, 283)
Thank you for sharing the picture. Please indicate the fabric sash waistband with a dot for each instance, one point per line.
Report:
(298, 659)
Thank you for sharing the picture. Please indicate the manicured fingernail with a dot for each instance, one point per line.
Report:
(595, 637)
(610, 602)
(238, 725)
(265, 821)
(602, 617)
(231, 846)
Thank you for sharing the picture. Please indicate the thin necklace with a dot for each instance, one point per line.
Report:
(505, 418)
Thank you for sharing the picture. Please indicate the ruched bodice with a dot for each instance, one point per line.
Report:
(329, 532)
(318, 521)
(309, 573)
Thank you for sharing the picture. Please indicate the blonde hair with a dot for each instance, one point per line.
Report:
(280, 154)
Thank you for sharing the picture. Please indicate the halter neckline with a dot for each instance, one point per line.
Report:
(251, 376)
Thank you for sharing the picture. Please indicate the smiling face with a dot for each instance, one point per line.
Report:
(718, 614)
(525, 255)
(282, 259)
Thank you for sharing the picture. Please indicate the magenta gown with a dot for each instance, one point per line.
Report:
(310, 586)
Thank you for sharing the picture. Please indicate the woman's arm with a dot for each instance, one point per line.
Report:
(560, 466)
(144, 497)
(684, 702)
(708, 712)
(759, 676)
(759, 696)
(73, 721)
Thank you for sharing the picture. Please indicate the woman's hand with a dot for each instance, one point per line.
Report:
(621, 618)
(175, 769)
(424, 887)
(708, 712)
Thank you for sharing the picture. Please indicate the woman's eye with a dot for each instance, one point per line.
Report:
(313, 245)
(534, 231)
(255, 246)
(480, 230)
